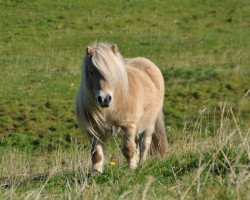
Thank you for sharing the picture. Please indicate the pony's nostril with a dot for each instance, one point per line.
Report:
(99, 99)
(109, 98)
(104, 101)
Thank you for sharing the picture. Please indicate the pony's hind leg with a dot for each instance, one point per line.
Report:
(97, 155)
(145, 142)
(130, 148)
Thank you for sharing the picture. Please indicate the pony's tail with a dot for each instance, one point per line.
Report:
(159, 144)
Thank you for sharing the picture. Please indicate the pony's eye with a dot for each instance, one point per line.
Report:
(91, 73)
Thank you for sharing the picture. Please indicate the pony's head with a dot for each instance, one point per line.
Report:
(105, 73)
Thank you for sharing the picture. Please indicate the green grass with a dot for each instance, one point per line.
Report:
(203, 50)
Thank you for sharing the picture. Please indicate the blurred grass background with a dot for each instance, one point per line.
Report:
(202, 48)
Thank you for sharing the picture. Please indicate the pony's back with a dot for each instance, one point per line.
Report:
(150, 69)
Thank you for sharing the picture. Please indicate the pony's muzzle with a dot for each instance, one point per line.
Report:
(104, 101)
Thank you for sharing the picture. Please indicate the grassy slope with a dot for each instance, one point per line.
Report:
(202, 48)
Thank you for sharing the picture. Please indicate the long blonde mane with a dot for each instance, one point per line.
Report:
(111, 65)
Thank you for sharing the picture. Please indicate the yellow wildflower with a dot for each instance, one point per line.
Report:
(112, 163)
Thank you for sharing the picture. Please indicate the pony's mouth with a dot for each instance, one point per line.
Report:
(105, 105)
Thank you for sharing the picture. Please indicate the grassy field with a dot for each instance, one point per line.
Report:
(203, 50)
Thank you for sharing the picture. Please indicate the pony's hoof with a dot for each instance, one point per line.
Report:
(97, 169)
(133, 165)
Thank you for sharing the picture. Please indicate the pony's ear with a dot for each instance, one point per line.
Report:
(114, 48)
(90, 51)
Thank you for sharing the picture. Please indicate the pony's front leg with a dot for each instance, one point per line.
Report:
(145, 143)
(130, 148)
(97, 155)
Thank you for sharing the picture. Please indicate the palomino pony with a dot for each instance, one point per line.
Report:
(121, 97)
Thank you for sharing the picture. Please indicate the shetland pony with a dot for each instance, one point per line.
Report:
(121, 97)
